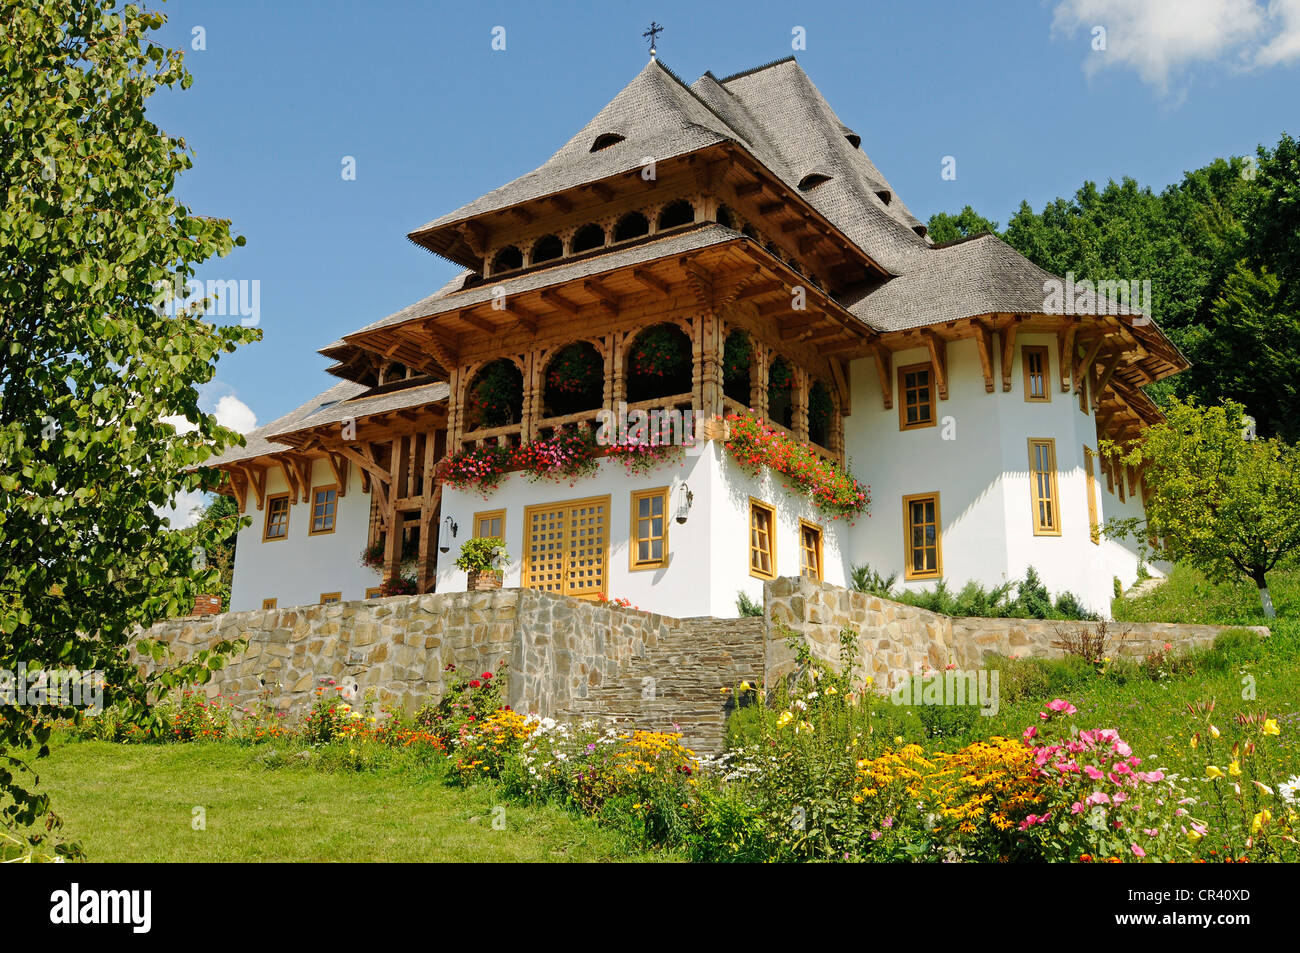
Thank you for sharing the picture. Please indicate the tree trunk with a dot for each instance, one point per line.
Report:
(1265, 599)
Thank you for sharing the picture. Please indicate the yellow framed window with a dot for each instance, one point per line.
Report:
(328, 598)
(916, 397)
(269, 603)
(374, 592)
(810, 550)
(762, 540)
(1037, 367)
(277, 517)
(649, 549)
(566, 547)
(1090, 485)
(324, 509)
(490, 523)
(1042, 487)
(922, 542)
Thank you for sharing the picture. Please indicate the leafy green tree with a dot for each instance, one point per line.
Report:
(91, 362)
(1225, 504)
(966, 223)
(1249, 351)
(219, 526)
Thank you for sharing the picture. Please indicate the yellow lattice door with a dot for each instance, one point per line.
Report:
(567, 547)
(544, 560)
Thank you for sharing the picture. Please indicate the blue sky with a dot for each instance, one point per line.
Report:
(434, 117)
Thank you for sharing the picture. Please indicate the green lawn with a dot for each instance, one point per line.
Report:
(1152, 715)
(130, 803)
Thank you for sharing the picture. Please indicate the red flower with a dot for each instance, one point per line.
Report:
(487, 674)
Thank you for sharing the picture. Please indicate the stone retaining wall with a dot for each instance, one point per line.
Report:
(576, 659)
(557, 648)
(897, 640)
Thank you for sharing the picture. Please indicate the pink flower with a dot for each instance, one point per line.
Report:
(1061, 705)
(1097, 797)
(1138, 851)
(1092, 772)
(1030, 732)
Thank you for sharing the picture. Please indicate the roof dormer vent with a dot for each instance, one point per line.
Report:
(884, 195)
(605, 140)
(854, 139)
(812, 180)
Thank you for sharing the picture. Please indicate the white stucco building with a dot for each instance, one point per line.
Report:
(760, 266)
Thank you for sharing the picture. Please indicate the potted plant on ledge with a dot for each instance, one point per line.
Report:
(482, 559)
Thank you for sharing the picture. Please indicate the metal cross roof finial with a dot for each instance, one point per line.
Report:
(653, 33)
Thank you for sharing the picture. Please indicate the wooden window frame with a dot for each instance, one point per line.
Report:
(908, 571)
(311, 516)
(1054, 488)
(270, 604)
(266, 523)
(375, 592)
(770, 510)
(633, 563)
(902, 396)
(820, 575)
(1090, 486)
(329, 598)
(524, 572)
(1083, 396)
(1041, 351)
(490, 515)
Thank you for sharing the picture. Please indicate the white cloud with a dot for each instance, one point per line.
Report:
(186, 508)
(1284, 47)
(1161, 39)
(234, 413)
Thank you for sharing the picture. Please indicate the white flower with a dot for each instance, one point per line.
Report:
(1290, 789)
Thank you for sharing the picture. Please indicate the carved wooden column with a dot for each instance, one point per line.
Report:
(428, 514)
(799, 400)
(396, 490)
(532, 398)
(618, 381)
(711, 366)
(761, 362)
(697, 359)
(455, 408)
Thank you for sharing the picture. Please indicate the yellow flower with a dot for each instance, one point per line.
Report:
(898, 739)
(724, 690)
(1213, 773)
(1259, 820)
(1234, 769)
(831, 691)
(1271, 728)
(744, 686)
(785, 719)
(1196, 740)
(1194, 835)
(1214, 731)
(857, 799)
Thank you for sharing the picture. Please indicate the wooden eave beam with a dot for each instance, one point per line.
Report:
(257, 480)
(1065, 357)
(339, 467)
(939, 360)
(650, 280)
(558, 301)
(840, 378)
(1108, 371)
(1085, 365)
(885, 372)
(1008, 332)
(475, 321)
(984, 343)
(604, 297)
